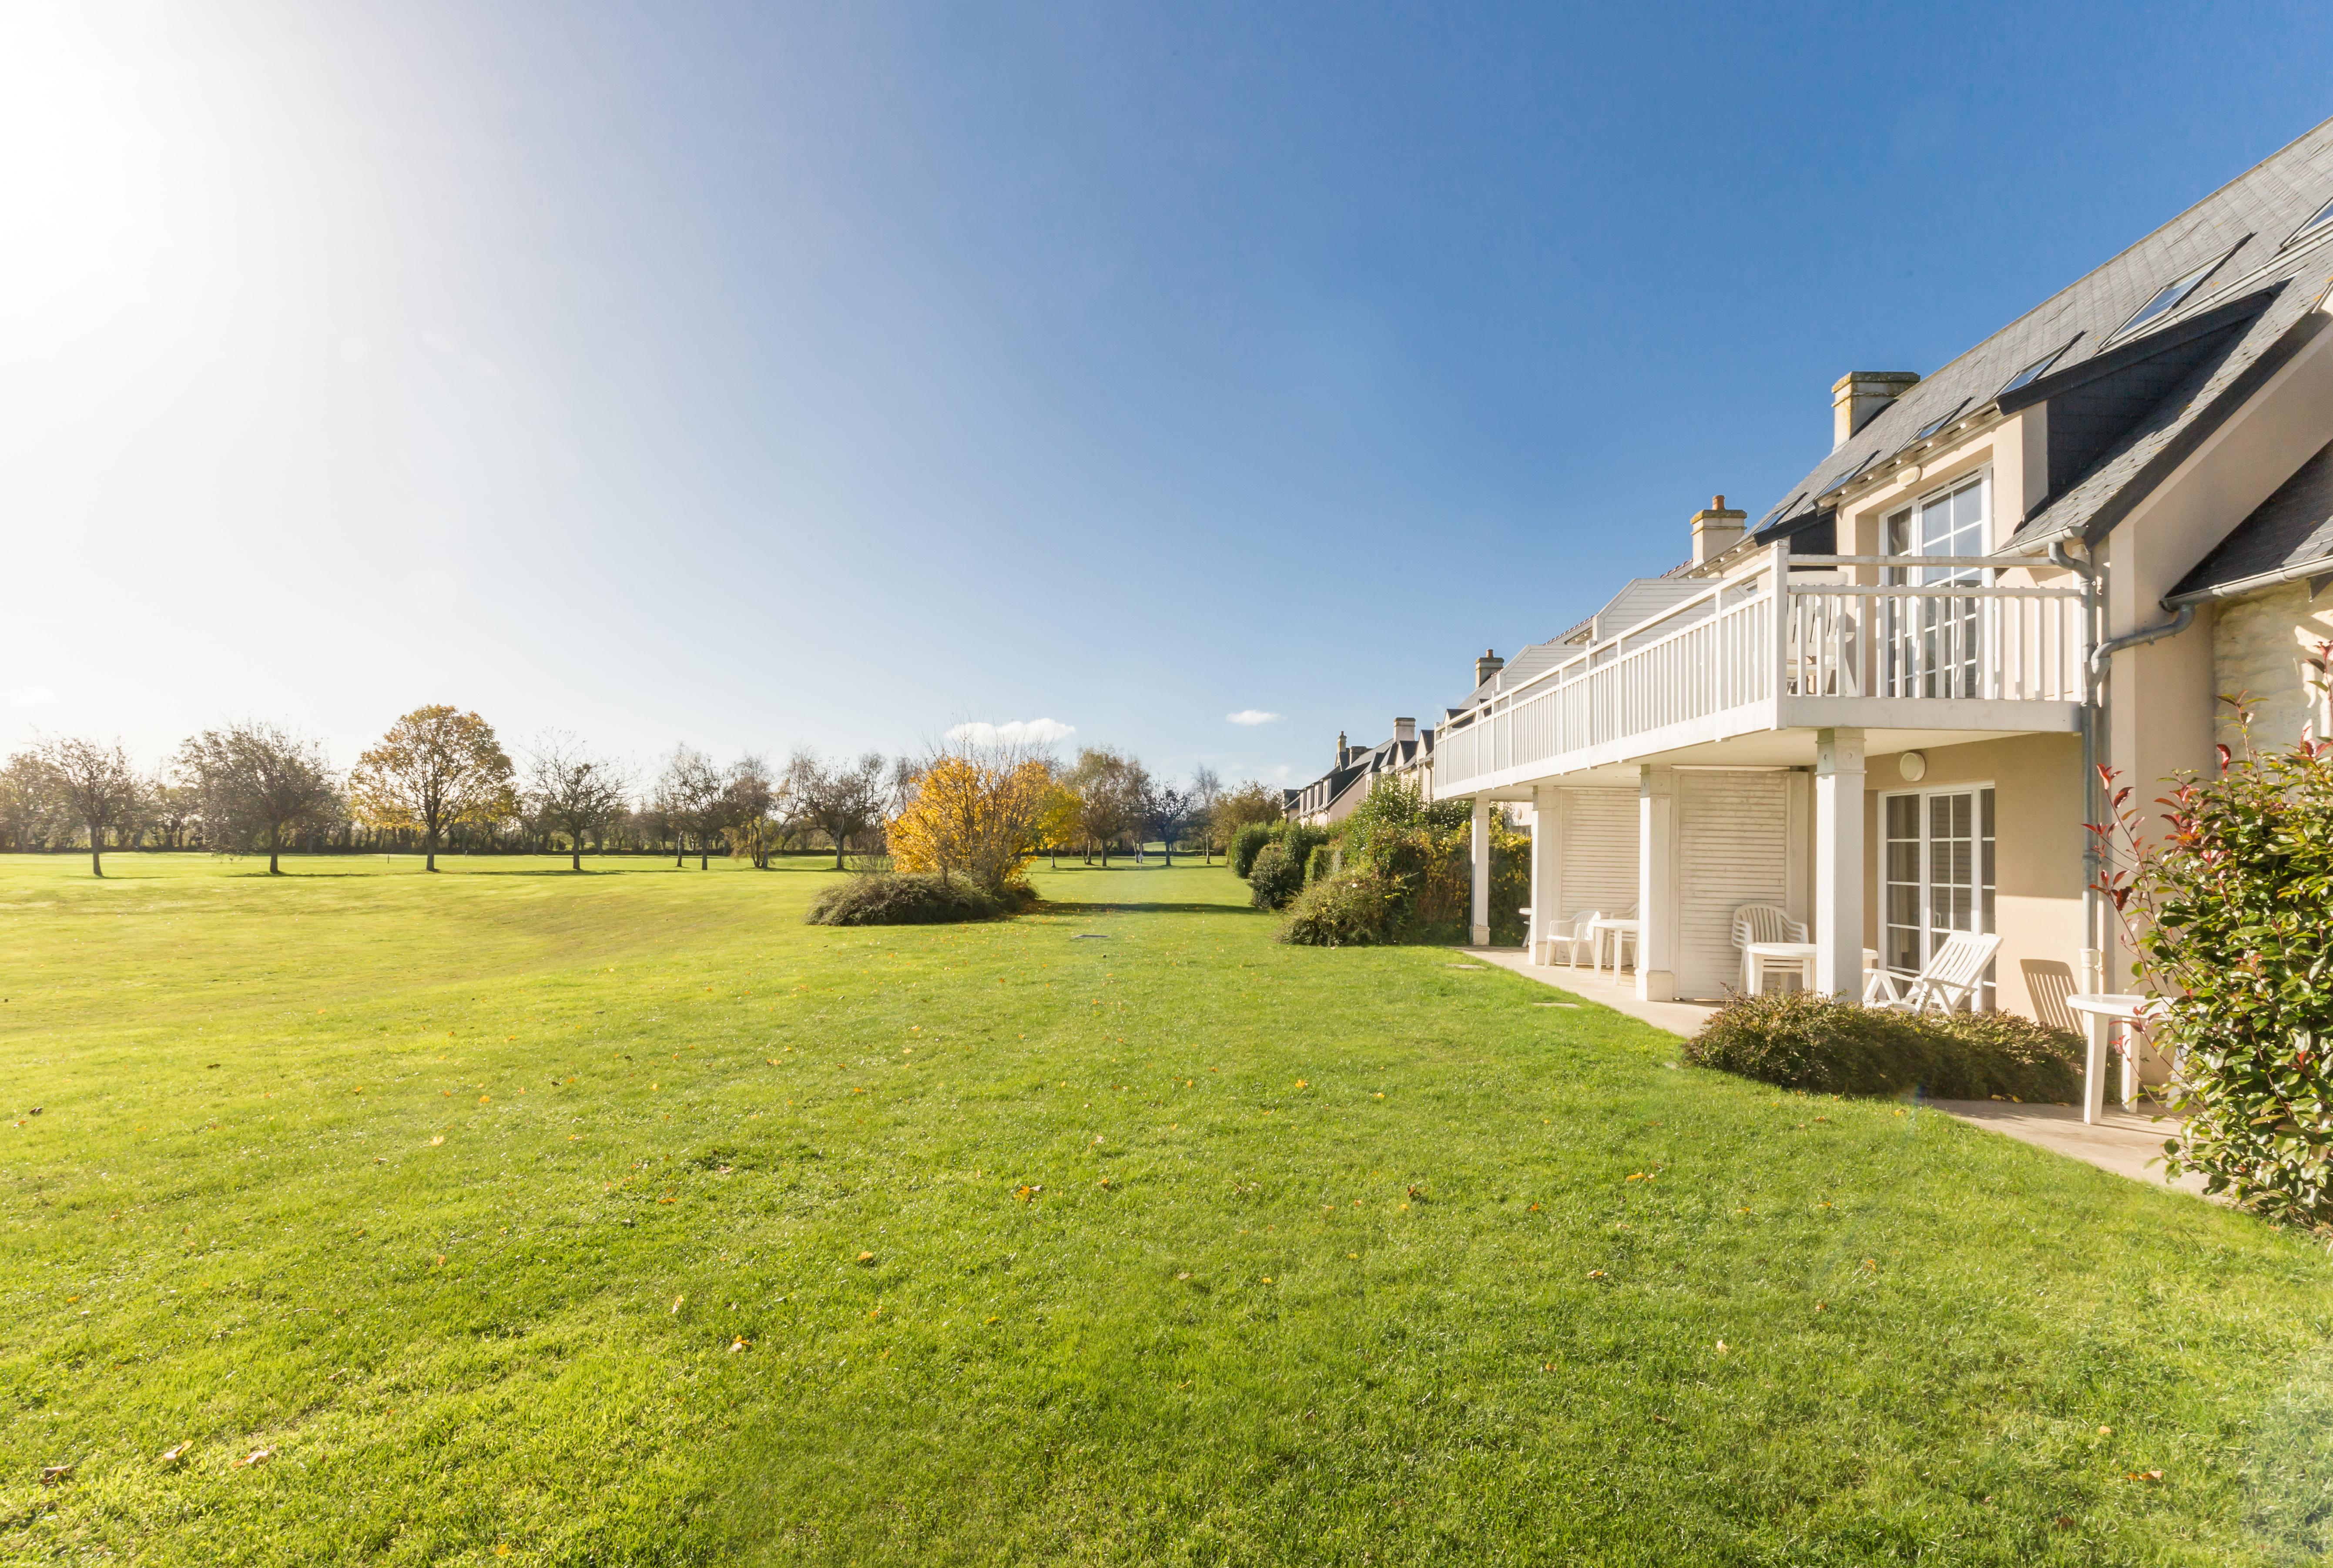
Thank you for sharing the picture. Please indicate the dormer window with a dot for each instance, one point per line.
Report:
(2166, 299)
(2317, 220)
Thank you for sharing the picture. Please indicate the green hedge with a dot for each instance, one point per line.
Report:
(1247, 844)
(883, 898)
(1831, 1046)
(1275, 879)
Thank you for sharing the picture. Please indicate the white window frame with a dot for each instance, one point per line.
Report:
(1982, 917)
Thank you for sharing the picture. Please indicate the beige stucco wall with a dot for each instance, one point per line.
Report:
(2037, 783)
(2258, 648)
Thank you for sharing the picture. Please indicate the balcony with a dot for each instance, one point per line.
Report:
(1793, 642)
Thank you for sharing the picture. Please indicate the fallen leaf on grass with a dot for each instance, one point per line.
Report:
(436, 1140)
(172, 1456)
(54, 1474)
(2105, 1431)
(737, 1345)
(253, 1460)
(676, 1303)
(1596, 1274)
(865, 1257)
(1721, 1347)
(1025, 1193)
(2148, 1475)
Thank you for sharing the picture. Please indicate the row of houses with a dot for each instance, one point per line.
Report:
(1879, 707)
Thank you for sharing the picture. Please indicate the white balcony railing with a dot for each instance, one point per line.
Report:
(1841, 651)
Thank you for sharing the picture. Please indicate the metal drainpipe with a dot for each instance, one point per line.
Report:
(2093, 866)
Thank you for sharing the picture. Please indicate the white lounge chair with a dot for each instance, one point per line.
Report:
(1767, 935)
(1950, 981)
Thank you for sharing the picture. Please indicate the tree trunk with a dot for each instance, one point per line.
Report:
(275, 842)
(96, 847)
(838, 852)
(1167, 848)
(429, 848)
(575, 851)
(1105, 855)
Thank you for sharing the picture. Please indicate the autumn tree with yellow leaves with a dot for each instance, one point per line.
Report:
(437, 766)
(977, 814)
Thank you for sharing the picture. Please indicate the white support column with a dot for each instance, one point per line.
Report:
(1480, 864)
(1656, 884)
(1838, 862)
(1547, 867)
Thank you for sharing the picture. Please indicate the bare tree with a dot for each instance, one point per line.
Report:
(1167, 812)
(843, 798)
(94, 785)
(254, 782)
(689, 793)
(750, 821)
(573, 792)
(436, 767)
(1206, 790)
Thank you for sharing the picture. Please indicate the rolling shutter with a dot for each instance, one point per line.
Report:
(1733, 848)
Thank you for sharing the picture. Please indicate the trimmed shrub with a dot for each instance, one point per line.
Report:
(1320, 865)
(1247, 843)
(1275, 879)
(1355, 909)
(1830, 1046)
(883, 898)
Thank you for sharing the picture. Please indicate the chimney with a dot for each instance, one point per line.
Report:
(1859, 397)
(1488, 665)
(1406, 729)
(1344, 751)
(1716, 529)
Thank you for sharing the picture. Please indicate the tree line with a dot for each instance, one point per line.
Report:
(440, 780)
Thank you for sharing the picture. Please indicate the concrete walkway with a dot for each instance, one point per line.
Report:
(2123, 1144)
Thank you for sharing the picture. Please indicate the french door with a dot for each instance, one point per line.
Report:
(1936, 874)
(1933, 644)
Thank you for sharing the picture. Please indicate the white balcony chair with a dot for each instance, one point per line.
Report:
(1766, 935)
(1570, 935)
(1950, 981)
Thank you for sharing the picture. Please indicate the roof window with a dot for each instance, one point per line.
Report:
(2040, 367)
(2166, 299)
(1941, 421)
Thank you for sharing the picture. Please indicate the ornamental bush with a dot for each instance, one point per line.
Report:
(1828, 1045)
(1247, 843)
(1276, 877)
(2228, 901)
(883, 898)
(1356, 908)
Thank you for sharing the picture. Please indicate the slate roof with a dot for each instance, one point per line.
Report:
(2152, 396)
(2291, 529)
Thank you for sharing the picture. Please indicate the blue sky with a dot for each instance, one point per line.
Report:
(757, 376)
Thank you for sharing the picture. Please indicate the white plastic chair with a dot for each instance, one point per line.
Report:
(1572, 935)
(1766, 923)
(1950, 981)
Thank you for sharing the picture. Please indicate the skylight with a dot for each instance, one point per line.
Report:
(2316, 220)
(2167, 298)
(2039, 368)
(1941, 421)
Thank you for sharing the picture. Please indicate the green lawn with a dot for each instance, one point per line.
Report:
(624, 1218)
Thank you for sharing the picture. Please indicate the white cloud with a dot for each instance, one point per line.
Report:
(1251, 716)
(31, 696)
(1017, 732)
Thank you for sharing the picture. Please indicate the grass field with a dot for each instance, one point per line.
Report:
(622, 1217)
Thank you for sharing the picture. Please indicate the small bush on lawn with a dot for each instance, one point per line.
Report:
(882, 899)
(1320, 865)
(1829, 1046)
(1247, 844)
(1275, 879)
(1355, 909)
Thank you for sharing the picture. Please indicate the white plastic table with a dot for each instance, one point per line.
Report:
(2101, 1011)
(1758, 954)
(1621, 930)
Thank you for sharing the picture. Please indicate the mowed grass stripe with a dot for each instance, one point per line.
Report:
(752, 1241)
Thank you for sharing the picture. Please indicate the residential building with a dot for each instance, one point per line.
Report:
(1332, 798)
(1874, 707)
